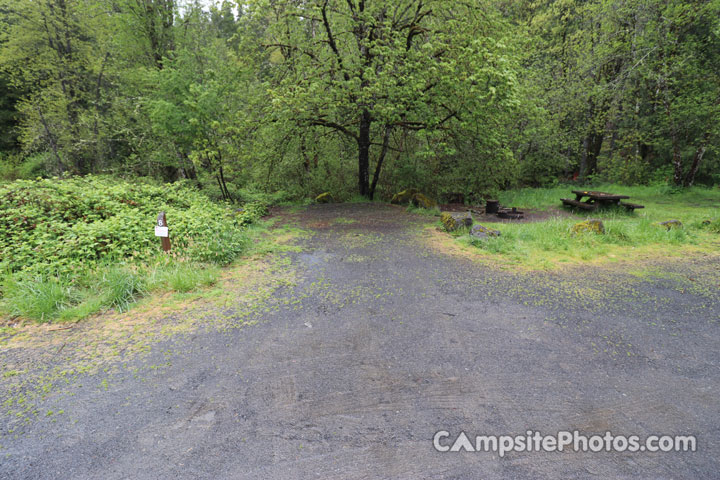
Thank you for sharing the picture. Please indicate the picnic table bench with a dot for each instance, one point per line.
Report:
(597, 200)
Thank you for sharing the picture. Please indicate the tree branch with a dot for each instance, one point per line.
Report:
(331, 40)
(319, 122)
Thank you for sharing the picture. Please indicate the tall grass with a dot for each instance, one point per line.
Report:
(550, 242)
(117, 287)
(184, 277)
(37, 297)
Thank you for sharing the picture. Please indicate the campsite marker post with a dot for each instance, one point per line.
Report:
(162, 231)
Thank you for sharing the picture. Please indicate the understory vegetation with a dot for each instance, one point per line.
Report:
(72, 247)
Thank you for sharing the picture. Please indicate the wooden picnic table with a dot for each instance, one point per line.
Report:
(597, 200)
(602, 197)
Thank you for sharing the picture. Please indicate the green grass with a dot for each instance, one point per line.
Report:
(710, 225)
(661, 201)
(185, 277)
(37, 297)
(120, 287)
(117, 287)
(430, 212)
(549, 243)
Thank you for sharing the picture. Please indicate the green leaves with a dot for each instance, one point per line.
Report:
(51, 226)
(630, 85)
(408, 66)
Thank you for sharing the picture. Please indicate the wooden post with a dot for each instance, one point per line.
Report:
(162, 231)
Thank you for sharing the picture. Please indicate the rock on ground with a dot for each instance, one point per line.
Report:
(325, 198)
(455, 221)
(423, 201)
(404, 197)
(589, 226)
(670, 224)
(482, 232)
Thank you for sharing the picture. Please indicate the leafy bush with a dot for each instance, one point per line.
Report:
(55, 226)
(72, 247)
(252, 212)
(17, 165)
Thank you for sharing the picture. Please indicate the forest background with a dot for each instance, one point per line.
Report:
(283, 100)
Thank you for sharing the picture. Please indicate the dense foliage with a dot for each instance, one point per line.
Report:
(293, 98)
(72, 247)
(54, 226)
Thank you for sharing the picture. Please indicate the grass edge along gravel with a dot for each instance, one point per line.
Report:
(73, 247)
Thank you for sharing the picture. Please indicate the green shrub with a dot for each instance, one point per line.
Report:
(252, 212)
(60, 226)
(72, 247)
(17, 165)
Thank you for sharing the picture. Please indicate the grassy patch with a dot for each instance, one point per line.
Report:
(429, 212)
(550, 243)
(37, 297)
(120, 287)
(661, 202)
(116, 287)
(186, 277)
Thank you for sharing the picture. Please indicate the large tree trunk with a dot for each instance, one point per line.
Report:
(591, 150)
(381, 159)
(697, 158)
(364, 154)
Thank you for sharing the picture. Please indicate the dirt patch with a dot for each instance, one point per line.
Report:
(530, 215)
